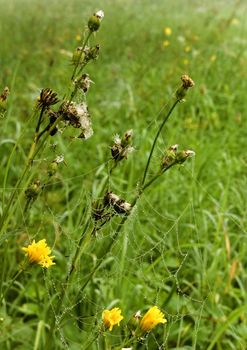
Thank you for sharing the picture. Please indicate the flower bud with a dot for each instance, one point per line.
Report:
(78, 56)
(94, 21)
(183, 155)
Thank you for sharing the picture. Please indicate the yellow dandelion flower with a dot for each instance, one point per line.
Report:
(151, 318)
(166, 43)
(167, 31)
(39, 253)
(112, 317)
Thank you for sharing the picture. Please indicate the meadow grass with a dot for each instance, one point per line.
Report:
(183, 247)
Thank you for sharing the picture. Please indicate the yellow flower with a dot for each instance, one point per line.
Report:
(39, 253)
(166, 43)
(186, 62)
(78, 37)
(151, 318)
(112, 317)
(167, 31)
(187, 49)
(213, 58)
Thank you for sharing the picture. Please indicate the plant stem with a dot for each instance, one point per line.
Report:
(79, 58)
(155, 140)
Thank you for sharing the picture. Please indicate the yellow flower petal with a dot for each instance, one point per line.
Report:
(39, 253)
(151, 318)
(112, 317)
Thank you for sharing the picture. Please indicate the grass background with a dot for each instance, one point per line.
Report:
(184, 248)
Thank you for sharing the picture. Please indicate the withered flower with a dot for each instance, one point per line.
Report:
(47, 98)
(119, 205)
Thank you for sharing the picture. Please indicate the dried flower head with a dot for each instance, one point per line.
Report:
(122, 146)
(47, 98)
(187, 83)
(169, 157)
(94, 21)
(4, 94)
(39, 253)
(183, 155)
(119, 205)
(83, 82)
(3, 99)
(112, 317)
(151, 319)
(78, 116)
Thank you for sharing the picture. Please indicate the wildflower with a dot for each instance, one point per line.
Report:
(78, 116)
(166, 43)
(122, 146)
(112, 317)
(170, 157)
(151, 319)
(84, 82)
(167, 31)
(186, 62)
(119, 205)
(187, 83)
(39, 253)
(183, 155)
(47, 98)
(3, 99)
(187, 49)
(33, 190)
(52, 168)
(94, 21)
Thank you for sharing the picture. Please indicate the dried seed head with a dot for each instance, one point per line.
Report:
(84, 82)
(122, 146)
(4, 94)
(3, 99)
(187, 81)
(47, 98)
(78, 116)
(182, 156)
(119, 205)
(170, 157)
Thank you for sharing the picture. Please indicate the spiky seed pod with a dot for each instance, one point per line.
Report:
(47, 98)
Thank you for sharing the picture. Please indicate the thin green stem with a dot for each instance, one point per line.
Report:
(79, 58)
(155, 140)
